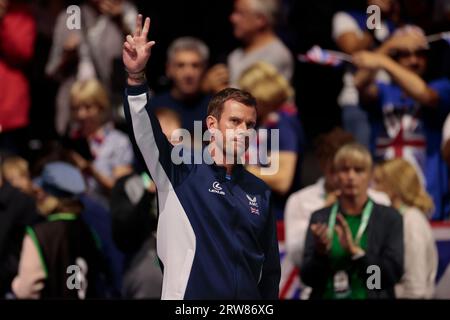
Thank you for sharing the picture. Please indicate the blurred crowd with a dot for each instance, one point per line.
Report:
(377, 124)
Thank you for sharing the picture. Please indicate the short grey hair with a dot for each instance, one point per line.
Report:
(188, 44)
(270, 9)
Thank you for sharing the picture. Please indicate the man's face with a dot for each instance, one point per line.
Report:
(235, 124)
(415, 61)
(353, 179)
(246, 22)
(186, 70)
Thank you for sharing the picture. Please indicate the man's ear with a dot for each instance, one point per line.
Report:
(212, 122)
(262, 21)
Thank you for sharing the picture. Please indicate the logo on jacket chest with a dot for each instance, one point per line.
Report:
(253, 204)
(216, 188)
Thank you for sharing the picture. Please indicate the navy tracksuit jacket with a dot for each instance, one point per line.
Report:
(216, 237)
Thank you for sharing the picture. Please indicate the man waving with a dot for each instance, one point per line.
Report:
(216, 236)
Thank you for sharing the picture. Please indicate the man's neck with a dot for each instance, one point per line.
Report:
(221, 161)
(353, 205)
(260, 40)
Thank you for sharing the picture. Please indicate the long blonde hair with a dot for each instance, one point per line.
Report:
(401, 178)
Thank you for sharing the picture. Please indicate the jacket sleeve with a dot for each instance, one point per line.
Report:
(271, 271)
(315, 267)
(418, 257)
(296, 223)
(29, 281)
(150, 144)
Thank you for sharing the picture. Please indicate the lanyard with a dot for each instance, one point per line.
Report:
(367, 211)
(64, 216)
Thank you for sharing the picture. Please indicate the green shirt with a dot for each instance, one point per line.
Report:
(340, 259)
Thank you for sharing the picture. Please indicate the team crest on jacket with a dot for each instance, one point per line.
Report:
(253, 204)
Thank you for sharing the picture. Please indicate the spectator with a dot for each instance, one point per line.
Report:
(412, 111)
(94, 51)
(96, 216)
(275, 112)
(187, 59)
(351, 34)
(253, 24)
(354, 233)
(15, 170)
(17, 37)
(108, 154)
(323, 193)
(51, 247)
(17, 210)
(399, 179)
(133, 209)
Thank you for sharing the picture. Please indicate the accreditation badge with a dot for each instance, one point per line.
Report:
(341, 284)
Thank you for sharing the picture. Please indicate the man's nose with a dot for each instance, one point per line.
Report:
(413, 60)
(351, 174)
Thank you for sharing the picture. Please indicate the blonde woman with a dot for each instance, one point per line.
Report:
(353, 235)
(399, 179)
(109, 153)
(274, 94)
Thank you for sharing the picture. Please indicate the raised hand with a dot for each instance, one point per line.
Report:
(216, 79)
(345, 236)
(368, 60)
(137, 50)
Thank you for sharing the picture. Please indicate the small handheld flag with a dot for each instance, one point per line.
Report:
(320, 56)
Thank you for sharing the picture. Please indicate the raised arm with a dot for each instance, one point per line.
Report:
(149, 141)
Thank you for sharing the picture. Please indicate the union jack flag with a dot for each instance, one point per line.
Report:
(254, 210)
(403, 138)
(318, 55)
(290, 285)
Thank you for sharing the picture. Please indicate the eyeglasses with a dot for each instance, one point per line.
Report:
(420, 53)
